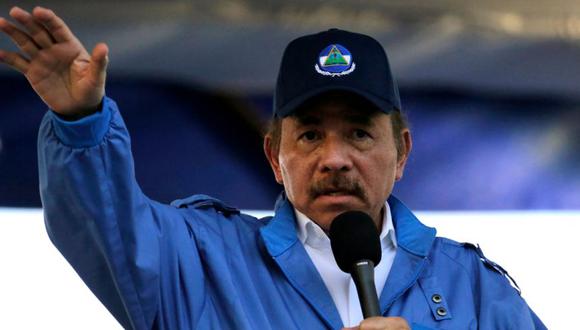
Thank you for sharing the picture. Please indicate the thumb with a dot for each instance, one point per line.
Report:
(99, 61)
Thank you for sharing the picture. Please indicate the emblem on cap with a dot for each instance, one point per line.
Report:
(335, 60)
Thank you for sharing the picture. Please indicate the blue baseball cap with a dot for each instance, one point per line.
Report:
(335, 60)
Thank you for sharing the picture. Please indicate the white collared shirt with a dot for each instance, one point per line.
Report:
(340, 284)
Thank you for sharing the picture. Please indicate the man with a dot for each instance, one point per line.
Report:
(338, 142)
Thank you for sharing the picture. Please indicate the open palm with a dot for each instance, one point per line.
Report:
(61, 71)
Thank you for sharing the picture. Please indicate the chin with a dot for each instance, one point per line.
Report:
(325, 217)
(323, 209)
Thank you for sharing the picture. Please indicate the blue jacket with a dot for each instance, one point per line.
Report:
(200, 264)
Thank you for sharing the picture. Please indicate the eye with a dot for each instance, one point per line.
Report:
(360, 134)
(309, 136)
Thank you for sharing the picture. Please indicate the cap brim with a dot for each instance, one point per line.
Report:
(382, 104)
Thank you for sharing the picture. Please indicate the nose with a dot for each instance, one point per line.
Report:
(334, 156)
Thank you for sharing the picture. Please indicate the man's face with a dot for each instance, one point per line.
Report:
(335, 157)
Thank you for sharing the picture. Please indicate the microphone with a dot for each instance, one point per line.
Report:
(356, 246)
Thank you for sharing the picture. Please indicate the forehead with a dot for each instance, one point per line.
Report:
(337, 105)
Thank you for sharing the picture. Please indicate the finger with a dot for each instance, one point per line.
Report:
(36, 30)
(20, 38)
(54, 24)
(99, 61)
(378, 323)
(14, 60)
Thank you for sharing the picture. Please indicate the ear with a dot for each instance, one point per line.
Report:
(407, 146)
(272, 156)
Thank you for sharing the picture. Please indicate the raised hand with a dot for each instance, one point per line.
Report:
(61, 71)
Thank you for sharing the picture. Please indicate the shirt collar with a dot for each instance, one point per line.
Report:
(310, 234)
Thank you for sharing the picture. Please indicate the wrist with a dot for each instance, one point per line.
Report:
(81, 113)
(87, 131)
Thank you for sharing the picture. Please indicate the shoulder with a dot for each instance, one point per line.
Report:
(452, 255)
(210, 211)
(466, 255)
(464, 273)
(471, 259)
(461, 253)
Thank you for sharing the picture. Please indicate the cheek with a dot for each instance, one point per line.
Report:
(382, 172)
(296, 173)
(290, 180)
(284, 175)
(288, 171)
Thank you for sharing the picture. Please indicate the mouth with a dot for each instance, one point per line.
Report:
(336, 193)
(337, 201)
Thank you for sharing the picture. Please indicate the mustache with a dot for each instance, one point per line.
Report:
(334, 183)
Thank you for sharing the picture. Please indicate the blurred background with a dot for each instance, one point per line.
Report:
(491, 89)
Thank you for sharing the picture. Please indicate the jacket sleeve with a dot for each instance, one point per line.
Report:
(124, 246)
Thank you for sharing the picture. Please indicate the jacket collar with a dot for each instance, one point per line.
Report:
(412, 235)
(414, 242)
(280, 233)
(281, 241)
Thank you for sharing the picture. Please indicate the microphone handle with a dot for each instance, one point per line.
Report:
(363, 274)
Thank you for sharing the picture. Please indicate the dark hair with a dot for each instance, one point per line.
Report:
(398, 121)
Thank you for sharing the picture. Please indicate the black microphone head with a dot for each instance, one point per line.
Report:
(354, 237)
